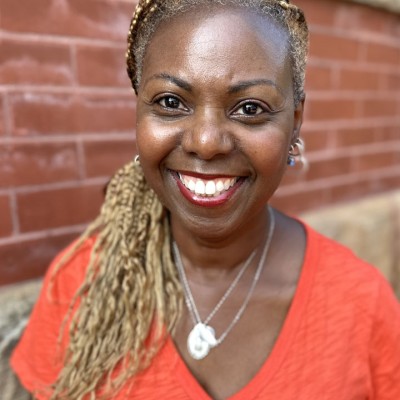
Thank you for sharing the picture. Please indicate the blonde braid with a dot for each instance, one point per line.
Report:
(131, 291)
(142, 11)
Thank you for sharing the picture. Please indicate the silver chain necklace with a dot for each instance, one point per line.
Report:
(202, 338)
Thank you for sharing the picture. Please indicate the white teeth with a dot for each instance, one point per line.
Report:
(191, 186)
(220, 186)
(210, 187)
(200, 187)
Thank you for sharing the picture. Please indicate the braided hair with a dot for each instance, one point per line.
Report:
(131, 298)
(131, 290)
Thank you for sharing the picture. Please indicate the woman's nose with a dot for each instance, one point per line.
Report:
(208, 135)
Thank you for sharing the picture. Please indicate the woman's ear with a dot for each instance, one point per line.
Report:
(298, 118)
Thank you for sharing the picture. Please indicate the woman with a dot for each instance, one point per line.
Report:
(271, 309)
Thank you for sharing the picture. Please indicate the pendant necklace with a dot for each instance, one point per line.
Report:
(202, 338)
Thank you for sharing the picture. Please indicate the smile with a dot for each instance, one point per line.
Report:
(207, 191)
(207, 187)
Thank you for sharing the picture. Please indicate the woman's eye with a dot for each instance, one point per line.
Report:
(249, 109)
(170, 102)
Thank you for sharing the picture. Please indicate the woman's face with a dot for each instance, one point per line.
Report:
(215, 117)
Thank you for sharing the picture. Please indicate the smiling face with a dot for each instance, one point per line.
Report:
(215, 117)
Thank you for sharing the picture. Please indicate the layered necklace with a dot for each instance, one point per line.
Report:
(202, 338)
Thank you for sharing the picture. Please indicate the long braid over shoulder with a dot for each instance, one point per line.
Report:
(150, 13)
(131, 292)
(131, 297)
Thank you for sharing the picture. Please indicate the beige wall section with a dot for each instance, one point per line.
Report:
(391, 5)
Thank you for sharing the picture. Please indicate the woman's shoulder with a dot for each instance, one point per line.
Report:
(330, 269)
(347, 287)
(334, 255)
(38, 357)
(345, 280)
(341, 273)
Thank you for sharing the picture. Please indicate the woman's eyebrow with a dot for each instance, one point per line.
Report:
(237, 87)
(173, 79)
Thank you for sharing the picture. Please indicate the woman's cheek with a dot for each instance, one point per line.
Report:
(150, 141)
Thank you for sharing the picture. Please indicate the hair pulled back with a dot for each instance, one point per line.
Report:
(131, 298)
(150, 13)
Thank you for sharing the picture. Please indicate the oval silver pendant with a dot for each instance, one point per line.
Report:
(200, 340)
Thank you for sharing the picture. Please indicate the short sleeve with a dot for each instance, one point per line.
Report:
(38, 356)
(385, 347)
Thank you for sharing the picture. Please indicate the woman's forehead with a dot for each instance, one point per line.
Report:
(217, 23)
(218, 41)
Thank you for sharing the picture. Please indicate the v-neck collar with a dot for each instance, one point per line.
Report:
(280, 349)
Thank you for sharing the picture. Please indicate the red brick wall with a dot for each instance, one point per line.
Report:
(352, 118)
(67, 116)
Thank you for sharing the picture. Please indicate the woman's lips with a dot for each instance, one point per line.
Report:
(206, 191)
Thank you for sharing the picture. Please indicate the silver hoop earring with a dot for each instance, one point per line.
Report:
(296, 154)
(137, 159)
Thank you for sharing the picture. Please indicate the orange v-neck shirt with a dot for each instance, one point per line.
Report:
(340, 339)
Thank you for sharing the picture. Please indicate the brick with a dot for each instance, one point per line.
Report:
(298, 202)
(375, 161)
(392, 24)
(379, 108)
(38, 163)
(383, 54)
(392, 82)
(292, 177)
(348, 192)
(326, 168)
(355, 137)
(104, 158)
(364, 187)
(6, 225)
(333, 47)
(64, 114)
(3, 128)
(358, 18)
(58, 208)
(331, 109)
(390, 133)
(315, 140)
(356, 79)
(318, 13)
(319, 78)
(29, 259)
(34, 63)
(90, 18)
(102, 66)
(387, 183)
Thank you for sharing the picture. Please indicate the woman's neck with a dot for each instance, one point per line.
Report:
(210, 257)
